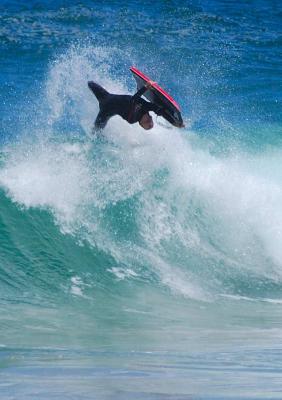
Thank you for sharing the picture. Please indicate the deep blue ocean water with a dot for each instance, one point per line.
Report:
(147, 265)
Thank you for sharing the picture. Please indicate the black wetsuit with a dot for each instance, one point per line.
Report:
(130, 108)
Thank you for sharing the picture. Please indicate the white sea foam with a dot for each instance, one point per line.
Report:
(77, 286)
(123, 273)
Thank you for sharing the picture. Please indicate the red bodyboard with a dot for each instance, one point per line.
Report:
(159, 96)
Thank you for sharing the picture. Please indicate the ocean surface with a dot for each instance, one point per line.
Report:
(141, 265)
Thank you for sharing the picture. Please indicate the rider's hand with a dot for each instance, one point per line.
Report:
(149, 84)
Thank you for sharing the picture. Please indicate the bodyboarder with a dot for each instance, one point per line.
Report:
(131, 108)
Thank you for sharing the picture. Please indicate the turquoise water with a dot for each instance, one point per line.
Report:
(143, 265)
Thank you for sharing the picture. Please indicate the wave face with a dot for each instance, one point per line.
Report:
(139, 232)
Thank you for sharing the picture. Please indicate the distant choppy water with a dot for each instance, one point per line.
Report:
(146, 265)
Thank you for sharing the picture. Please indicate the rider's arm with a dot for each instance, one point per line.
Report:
(148, 106)
(139, 93)
(148, 85)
